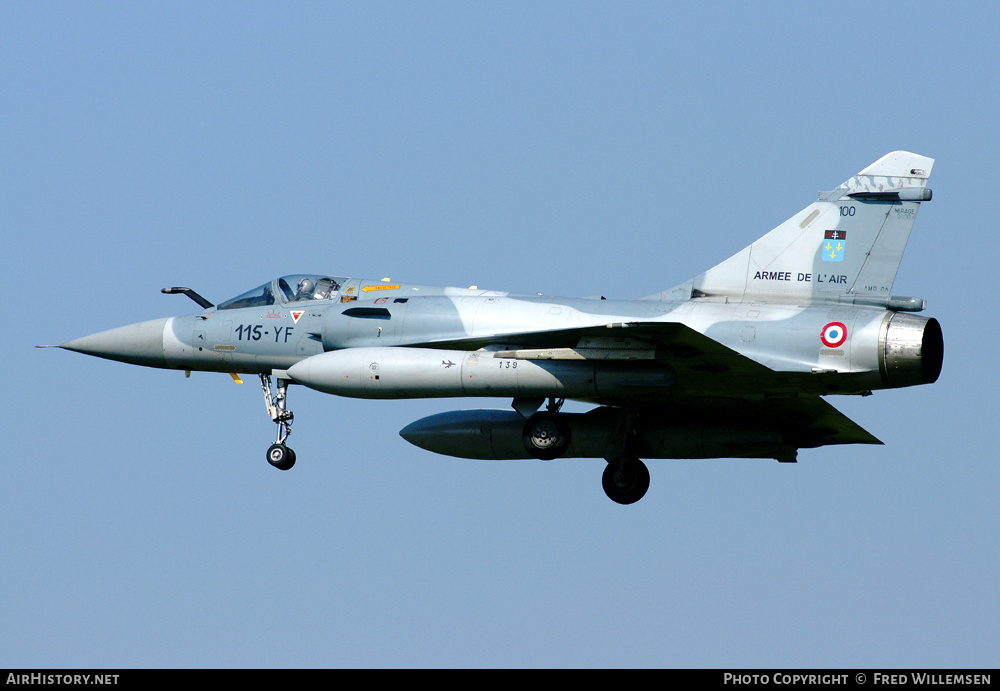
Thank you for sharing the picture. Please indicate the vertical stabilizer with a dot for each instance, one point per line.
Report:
(849, 241)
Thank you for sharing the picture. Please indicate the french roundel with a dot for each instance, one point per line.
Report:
(834, 334)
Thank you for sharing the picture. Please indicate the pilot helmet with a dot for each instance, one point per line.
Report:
(306, 285)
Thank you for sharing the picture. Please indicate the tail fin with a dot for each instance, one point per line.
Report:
(848, 242)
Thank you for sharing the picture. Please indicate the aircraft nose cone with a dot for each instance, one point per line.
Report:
(138, 344)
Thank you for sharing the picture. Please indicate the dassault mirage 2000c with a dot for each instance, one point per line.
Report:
(732, 363)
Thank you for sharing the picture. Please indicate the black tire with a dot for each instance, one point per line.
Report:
(546, 435)
(280, 456)
(626, 482)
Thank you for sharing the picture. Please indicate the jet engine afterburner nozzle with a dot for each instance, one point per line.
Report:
(911, 350)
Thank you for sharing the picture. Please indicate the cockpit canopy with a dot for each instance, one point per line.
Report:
(290, 289)
(308, 287)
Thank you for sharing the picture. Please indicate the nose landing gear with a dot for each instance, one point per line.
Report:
(278, 455)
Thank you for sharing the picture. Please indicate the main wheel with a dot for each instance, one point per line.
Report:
(626, 482)
(546, 435)
(280, 456)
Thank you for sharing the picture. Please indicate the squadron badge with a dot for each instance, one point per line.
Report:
(834, 243)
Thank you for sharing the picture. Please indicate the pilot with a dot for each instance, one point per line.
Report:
(305, 290)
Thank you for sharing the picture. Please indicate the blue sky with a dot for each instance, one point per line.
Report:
(567, 148)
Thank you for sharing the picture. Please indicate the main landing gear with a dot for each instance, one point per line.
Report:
(546, 435)
(278, 455)
(626, 478)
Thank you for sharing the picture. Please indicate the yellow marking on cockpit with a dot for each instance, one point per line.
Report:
(392, 287)
(236, 377)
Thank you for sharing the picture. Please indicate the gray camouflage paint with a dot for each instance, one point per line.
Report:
(793, 314)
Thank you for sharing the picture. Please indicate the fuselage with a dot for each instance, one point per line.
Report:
(826, 348)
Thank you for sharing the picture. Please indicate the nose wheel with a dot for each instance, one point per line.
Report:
(278, 455)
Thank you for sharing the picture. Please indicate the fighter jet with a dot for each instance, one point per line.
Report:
(731, 363)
